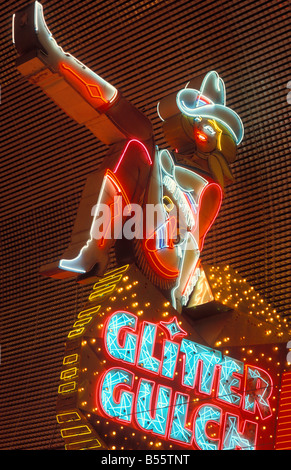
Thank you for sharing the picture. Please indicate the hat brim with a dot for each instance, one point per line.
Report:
(226, 116)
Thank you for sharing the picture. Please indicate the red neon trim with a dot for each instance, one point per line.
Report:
(89, 86)
(174, 319)
(171, 227)
(203, 98)
(206, 188)
(115, 181)
(113, 178)
(125, 149)
(162, 269)
(201, 136)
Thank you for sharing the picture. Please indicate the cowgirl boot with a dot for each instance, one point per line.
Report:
(91, 257)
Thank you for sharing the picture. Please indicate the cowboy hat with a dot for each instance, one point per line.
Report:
(208, 102)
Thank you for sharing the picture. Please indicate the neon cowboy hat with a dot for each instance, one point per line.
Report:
(208, 102)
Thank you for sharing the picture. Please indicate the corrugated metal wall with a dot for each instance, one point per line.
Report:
(147, 49)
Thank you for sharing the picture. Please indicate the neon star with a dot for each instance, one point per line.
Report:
(173, 328)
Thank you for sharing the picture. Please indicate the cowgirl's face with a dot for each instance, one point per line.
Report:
(205, 134)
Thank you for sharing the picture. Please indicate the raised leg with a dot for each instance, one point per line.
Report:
(80, 92)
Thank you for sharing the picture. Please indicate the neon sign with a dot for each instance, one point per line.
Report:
(133, 367)
(203, 133)
(140, 370)
(157, 376)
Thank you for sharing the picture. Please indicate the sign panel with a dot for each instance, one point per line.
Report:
(144, 379)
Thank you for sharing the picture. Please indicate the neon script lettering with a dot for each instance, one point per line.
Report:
(158, 377)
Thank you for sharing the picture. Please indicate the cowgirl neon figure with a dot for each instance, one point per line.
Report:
(197, 123)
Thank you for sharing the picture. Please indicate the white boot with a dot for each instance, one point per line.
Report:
(90, 257)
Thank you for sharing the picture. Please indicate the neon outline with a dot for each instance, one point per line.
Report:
(129, 339)
(218, 82)
(233, 397)
(109, 175)
(157, 264)
(107, 284)
(123, 394)
(114, 214)
(72, 431)
(36, 15)
(114, 179)
(212, 121)
(155, 395)
(158, 112)
(165, 197)
(182, 261)
(240, 428)
(13, 28)
(125, 150)
(200, 368)
(179, 414)
(200, 97)
(214, 445)
(191, 276)
(179, 331)
(68, 416)
(217, 211)
(147, 351)
(168, 367)
(255, 404)
(89, 85)
(180, 402)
